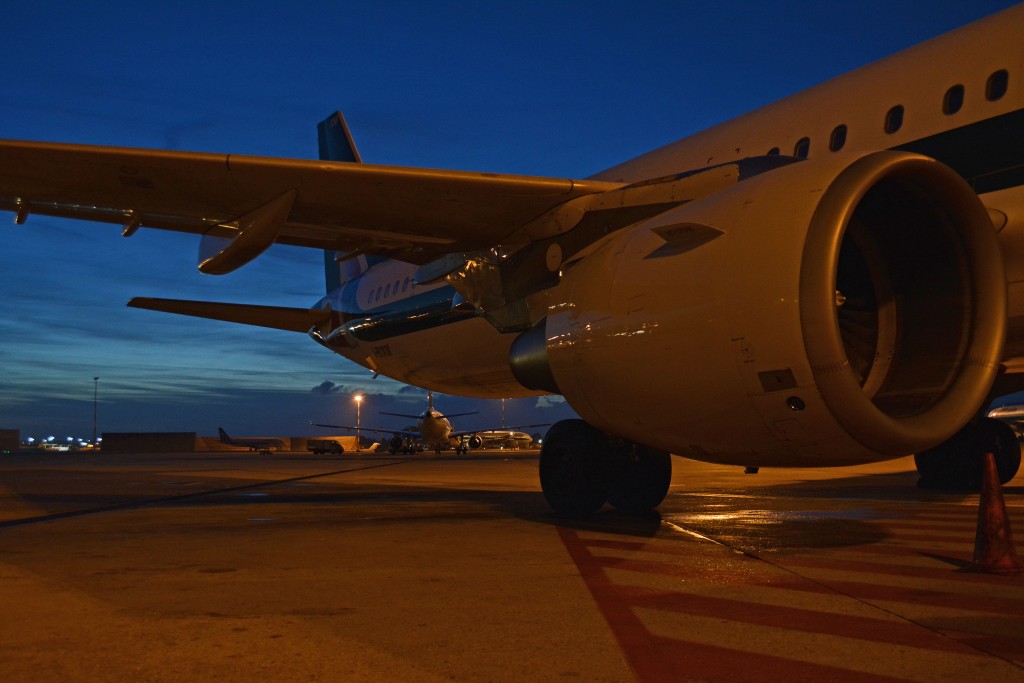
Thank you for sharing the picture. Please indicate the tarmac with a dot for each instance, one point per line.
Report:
(294, 567)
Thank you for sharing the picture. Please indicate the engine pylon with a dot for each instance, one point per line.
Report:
(994, 552)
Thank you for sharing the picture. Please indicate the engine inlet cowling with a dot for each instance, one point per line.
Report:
(853, 309)
(909, 338)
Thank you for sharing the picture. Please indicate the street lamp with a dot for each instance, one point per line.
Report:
(95, 394)
(359, 403)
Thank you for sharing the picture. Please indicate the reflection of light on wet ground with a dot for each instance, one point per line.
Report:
(762, 517)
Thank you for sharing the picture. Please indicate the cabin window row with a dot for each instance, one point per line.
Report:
(385, 291)
(995, 88)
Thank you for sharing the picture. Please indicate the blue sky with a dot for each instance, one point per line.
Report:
(542, 88)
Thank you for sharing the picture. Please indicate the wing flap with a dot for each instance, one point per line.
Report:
(277, 317)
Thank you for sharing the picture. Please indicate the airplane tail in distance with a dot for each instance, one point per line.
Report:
(224, 438)
(336, 144)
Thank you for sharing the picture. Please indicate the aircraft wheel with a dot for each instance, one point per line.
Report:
(957, 463)
(640, 477)
(573, 470)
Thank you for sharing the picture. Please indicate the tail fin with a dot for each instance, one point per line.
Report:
(336, 144)
(224, 438)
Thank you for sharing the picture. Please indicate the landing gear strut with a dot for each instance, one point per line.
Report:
(581, 468)
(957, 463)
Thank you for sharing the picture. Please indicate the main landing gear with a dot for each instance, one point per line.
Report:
(581, 468)
(957, 463)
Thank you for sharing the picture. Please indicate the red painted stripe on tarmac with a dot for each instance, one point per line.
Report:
(922, 595)
(657, 659)
(715, 574)
(944, 573)
(1008, 647)
(702, 662)
(793, 619)
(650, 660)
(959, 537)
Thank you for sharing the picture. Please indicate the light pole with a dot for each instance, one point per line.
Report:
(95, 395)
(359, 440)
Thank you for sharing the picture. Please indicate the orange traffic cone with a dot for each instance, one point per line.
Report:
(993, 544)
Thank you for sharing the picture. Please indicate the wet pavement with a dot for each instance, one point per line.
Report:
(295, 567)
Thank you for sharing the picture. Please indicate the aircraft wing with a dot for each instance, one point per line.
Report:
(415, 215)
(514, 428)
(399, 432)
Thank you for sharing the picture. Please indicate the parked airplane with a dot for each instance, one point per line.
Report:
(504, 438)
(832, 279)
(1012, 415)
(433, 430)
(256, 445)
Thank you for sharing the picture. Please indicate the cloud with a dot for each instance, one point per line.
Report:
(549, 402)
(326, 387)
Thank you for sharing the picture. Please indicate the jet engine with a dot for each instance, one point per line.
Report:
(844, 308)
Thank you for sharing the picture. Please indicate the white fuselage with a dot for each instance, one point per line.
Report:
(463, 354)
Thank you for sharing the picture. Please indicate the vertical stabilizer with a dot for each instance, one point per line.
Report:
(336, 144)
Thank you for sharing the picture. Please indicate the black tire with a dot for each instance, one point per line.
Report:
(640, 478)
(957, 463)
(573, 468)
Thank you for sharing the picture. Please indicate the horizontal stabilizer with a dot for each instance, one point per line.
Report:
(278, 317)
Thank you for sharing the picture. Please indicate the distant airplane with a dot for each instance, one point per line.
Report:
(503, 438)
(433, 430)
(823, 281)
(256, 445)
(1012, 415)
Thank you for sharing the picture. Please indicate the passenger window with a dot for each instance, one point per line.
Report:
(774, 151)
(894, 119)
(405, 284)
(838, 138)
(953, 100)
(996, 86)
(378, 293)
(395, 290)
(387, 291)
(802, 148)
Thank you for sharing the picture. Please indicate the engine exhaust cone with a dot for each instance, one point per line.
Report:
(993, 544)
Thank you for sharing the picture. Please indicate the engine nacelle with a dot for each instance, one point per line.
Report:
(475, 441)
(849, 310)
